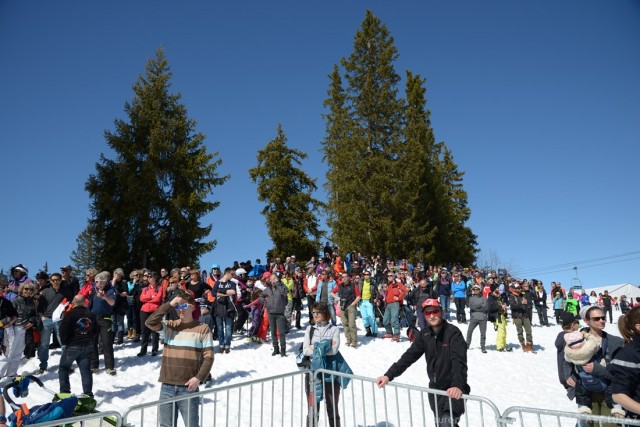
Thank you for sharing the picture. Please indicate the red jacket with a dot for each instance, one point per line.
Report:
(395, 289)
(151, 299)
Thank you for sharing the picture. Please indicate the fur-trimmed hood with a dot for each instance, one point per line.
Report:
(582, 355)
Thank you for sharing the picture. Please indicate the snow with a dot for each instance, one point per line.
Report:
(507, 379)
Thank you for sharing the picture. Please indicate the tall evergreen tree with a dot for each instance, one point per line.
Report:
(363, 129)
(391, 188)
(85, 254)
(290, 210)
(148, 202)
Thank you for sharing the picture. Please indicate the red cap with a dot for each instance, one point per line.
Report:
(431, 302)
(266, 275)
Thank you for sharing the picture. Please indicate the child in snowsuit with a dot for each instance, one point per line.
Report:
(582, 348)
(256, 317)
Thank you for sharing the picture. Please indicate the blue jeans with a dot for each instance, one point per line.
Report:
(444, 303)
(48, 326)
(332, 313)
(188, 408)
(225, 326)
(82, 356)
(118, 324)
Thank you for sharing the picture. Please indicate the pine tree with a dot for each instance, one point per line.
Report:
(363, 130)
(391, 188)
(148, 202)
(85, 254)
(290, 209)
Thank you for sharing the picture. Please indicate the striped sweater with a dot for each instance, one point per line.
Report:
(188, 348)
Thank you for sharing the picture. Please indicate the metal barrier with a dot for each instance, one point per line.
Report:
(274, 401)
(282, 401)
(362, 403)
(100, 419)
(527, 417)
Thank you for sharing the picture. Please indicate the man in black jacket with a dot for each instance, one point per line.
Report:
(445, 352)
(77, 331)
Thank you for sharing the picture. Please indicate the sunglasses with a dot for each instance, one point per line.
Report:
(55, 280)
(431, 313)
(598, 318)
(183, 306)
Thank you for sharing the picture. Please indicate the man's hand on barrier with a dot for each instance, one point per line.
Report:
(192, 384)
(382, 381)
(454, 393)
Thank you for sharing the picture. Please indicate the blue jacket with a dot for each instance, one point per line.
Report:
(330, 286)
(333, 363)
(459, 289)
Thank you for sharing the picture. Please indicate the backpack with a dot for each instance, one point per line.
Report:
(301, 360)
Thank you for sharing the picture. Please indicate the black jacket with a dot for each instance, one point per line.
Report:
(625, 376)
(78, 327)
(445, 353)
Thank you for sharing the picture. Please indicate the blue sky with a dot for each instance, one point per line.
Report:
(537, 100)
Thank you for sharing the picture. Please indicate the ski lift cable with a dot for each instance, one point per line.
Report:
(575, 263)
(543, 273)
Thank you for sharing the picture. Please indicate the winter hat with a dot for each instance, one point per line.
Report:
(574, 339)
(583, 312)
(567, 318)
(241, 271)
(266, 275)
(20, 268)
(583, 352)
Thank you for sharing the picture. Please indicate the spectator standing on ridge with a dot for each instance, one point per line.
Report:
(459, 289)
(224, 310)
(445, 353)
(349, 299)
(393, 298)
(50, 298)
(325, 285)
(69, 281)
(368, 291)
(607, 305)
(521, 305)
(478, 307)
(274, 299)
(103, 298)
(444, 292)
(151, 299)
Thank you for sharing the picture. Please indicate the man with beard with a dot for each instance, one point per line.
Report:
(445, 352)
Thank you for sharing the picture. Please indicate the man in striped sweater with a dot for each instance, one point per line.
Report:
(187, 358)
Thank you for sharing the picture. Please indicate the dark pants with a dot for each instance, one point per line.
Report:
(610, 311)
(241, 320)
(461, 316)
(542, 315)
(278, 320)
(443, 408)
(311, 299)
(297, 309)
(146, 333)
(133, 315)
(105, 334)
(331, 397)
(80, 354)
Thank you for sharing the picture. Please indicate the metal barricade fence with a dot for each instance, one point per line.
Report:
(274, 401)
(362, 403)
(531, 417)
(99, 419)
